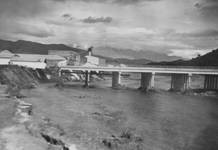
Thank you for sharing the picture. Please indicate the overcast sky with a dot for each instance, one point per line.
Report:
(176, 27)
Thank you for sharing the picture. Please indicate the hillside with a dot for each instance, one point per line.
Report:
(209, 59)
(129, 62)
(29, 47)
(17, 78)
(131, 54)
(21, 46)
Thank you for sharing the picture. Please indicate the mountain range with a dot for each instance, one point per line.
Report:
(133, 54)
(29, 47)
(209, 59)
(22, 46)
(128, 62)
(113, 55)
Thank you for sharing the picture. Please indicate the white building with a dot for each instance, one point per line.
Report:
(34, 61)
(93, 60)
(96, 61)
(29, 60)
(5, 57)
(73, 58)
(55, 60)
(38, 61)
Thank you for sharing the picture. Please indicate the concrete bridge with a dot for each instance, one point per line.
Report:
(180, 75)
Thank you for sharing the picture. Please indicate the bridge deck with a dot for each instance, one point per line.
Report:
(149, 69)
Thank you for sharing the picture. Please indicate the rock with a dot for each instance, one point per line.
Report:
(126, 138)
(25, 107)
(72, 147)
(55, 147)
(24, 117)
(17, 138)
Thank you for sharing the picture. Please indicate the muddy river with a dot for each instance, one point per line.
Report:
(103, 118)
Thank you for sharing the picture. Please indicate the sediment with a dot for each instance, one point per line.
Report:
(46, 134)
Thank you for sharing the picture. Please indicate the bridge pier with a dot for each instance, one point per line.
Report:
(180, 82)
(87, 78)
(59, 73)
(211, 82)
(147, 81)
(116, 79)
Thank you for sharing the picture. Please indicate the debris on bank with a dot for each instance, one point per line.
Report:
(52, 133)
(126, 140)
(199, 92)
(16, 136)
(17, 78)
(30, 134)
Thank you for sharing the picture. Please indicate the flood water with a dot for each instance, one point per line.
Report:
(164, 120)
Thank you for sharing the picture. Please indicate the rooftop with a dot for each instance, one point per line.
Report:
(35, 57)
(6, 54)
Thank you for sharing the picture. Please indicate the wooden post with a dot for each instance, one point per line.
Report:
(59, 73)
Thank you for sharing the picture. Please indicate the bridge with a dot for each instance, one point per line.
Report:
(180, 75)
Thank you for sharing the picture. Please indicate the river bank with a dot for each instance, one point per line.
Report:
(96, 117)
(20, 130)
(103, 118)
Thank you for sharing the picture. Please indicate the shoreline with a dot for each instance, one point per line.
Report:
(48, 133)
(26, 133)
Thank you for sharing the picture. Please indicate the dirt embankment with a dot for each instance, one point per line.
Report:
(26, 133)
(18, 129)
(17, 78)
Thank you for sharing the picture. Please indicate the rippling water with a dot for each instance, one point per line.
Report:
(165, 120)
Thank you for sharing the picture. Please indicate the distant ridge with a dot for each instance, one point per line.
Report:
(29, 47)
(129, 62)
(209, 59)
(115, 52)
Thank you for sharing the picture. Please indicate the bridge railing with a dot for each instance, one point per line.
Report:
(151, 66)
(156, 69)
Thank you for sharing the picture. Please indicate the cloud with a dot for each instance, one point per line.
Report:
(13, 29)
(67, 16)
(34, 31)
(205, 3)
(97, 20)
(129, 31)
(208, 9)
(59, 0)
(124, 2)
(23, 8)
(135, 24)
(205, 33)
(187, 53)
(200, 33)
(23, 18)
(197, 5)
